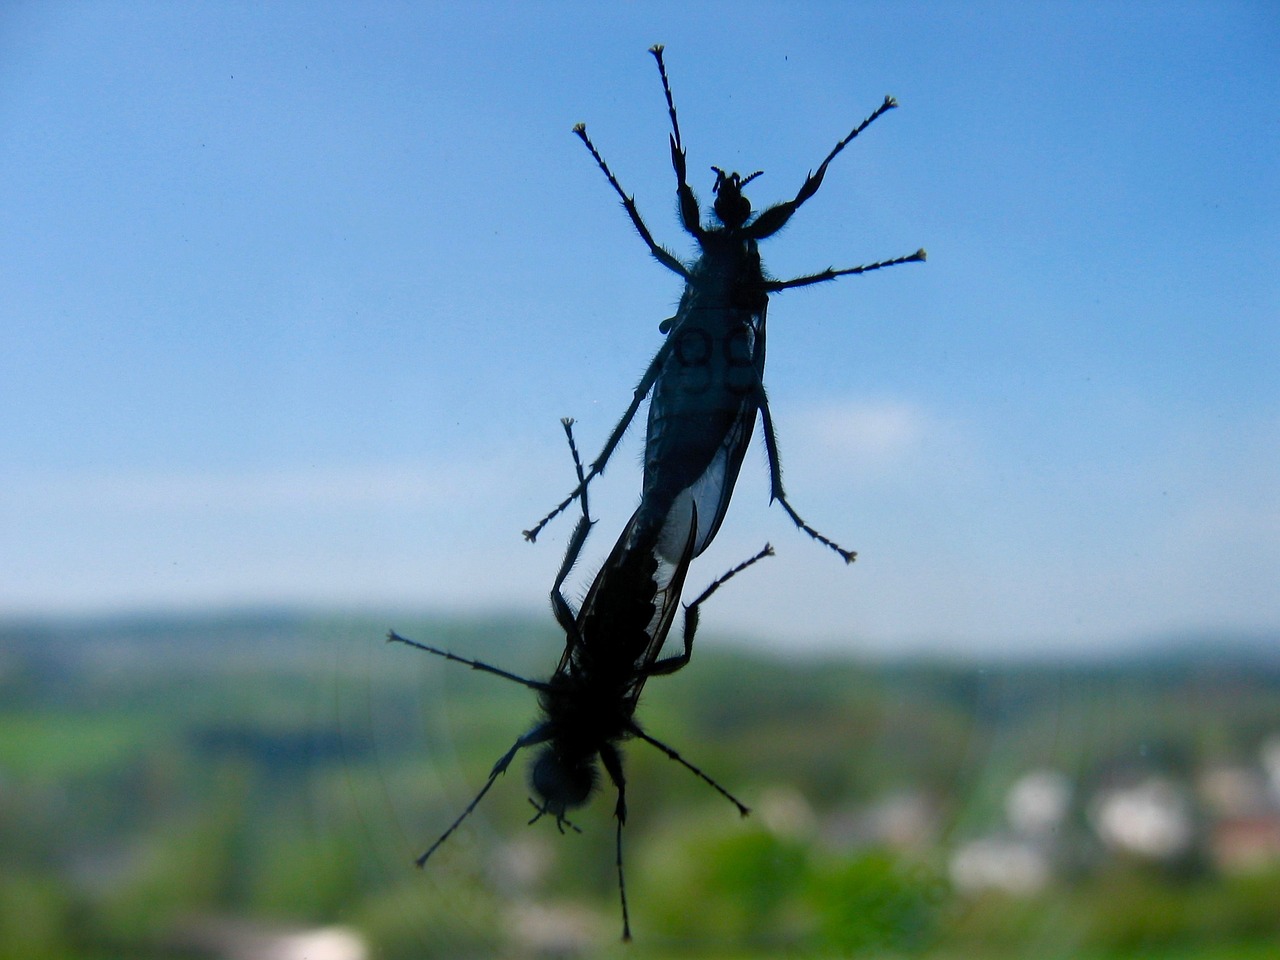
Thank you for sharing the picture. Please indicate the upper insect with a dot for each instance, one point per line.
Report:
(707, 379)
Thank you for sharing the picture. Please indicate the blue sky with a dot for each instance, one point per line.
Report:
(293, 296)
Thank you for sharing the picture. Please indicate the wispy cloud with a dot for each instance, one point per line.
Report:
(875, 440)
(317, 488)
(875, 434)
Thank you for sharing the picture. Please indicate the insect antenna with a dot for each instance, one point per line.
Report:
(738, 181)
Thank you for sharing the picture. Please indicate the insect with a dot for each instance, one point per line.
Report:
(612, 648)
(707, 379)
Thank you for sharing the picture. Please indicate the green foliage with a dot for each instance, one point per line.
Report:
(874, 904)
(198, 863)
(305, 876)
(62, 746)
(738, 888)
(35, 917)
(409, 924)
(1138, 910)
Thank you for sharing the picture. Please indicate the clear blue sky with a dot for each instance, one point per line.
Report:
(292, 297)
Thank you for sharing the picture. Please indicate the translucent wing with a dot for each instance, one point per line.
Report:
(713, 490)
(703, 410)
(631, 604)
(669, 577)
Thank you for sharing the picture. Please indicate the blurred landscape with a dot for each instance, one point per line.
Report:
(259, 785)
(295, 294)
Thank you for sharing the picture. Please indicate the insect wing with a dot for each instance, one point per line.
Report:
(669, 580)
(740, 377)
(618, 611)
(713, 490)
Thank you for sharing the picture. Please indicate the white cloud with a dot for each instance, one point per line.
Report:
(872, 442)
(871, 435)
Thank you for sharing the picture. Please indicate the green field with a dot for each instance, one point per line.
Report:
(164, 784)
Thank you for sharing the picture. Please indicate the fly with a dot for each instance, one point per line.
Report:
(707, 379)
(612, 648)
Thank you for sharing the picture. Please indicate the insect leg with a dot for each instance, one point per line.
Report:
(670, 752)
(613, 765)
(672, 664)
(536, 735)
(567, 423)
(576, 543)
(393, 637)
(559, 605)
(690, 215)
(597, 466)
(775, 481)
(773, 286)
(661, 254)
(561, 822)
(772, 220)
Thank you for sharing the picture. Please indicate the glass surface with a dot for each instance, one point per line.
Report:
(293, 298)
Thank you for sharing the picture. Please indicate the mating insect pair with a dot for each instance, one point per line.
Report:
(612, 647)
(707, 379)
(707, 386)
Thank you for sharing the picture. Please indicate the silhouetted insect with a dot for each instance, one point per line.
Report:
(612, 647)
(707, 379)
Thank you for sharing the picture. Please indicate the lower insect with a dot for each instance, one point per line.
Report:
(613, 645)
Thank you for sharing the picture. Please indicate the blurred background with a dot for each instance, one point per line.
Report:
(291, 301)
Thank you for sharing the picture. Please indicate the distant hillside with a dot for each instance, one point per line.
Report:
(532, 641)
